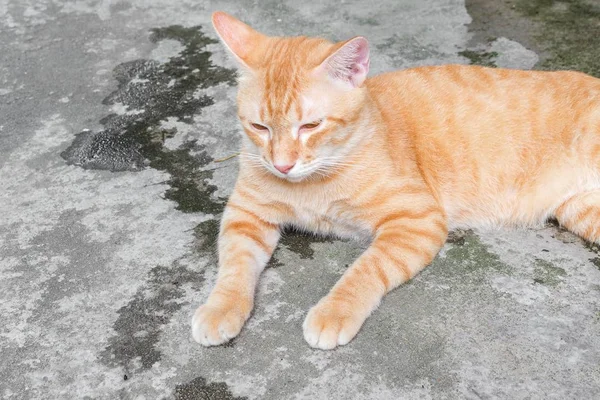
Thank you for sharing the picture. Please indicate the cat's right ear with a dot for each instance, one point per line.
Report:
(349, 62)
(239, 38)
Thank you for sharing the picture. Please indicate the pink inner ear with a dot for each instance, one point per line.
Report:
(351, 62)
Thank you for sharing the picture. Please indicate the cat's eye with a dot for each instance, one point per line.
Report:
(259, 127)
(310, 126)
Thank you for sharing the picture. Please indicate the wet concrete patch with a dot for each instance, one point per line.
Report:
(140, 322)
(546, 273)
(199, 389)
(207, 232)
(299, 242)
(480, 57)
(151, 92)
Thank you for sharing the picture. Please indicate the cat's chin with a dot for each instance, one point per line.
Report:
(293, 178)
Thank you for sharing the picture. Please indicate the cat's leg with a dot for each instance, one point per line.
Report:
(581, 215)
(405, 242)
(246, 243)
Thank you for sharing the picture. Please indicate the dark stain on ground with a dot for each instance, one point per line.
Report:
(546, 273)
(299, 242)
(564, 34)
(480, 57)
(199, 389)
(457, 236)
(140, 322)
(568, 30)
(469, 259)
(152, 92)
(274, 261)
(595, 261)
(499, 18)
(207, 233)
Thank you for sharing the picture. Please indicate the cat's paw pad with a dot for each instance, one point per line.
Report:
(212, 326)
(327, 326)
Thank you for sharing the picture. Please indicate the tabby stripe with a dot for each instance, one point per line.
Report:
(253, 215)
(291, 95)
(397, 262)
(299, 110)
(442, 227)
(406, 243)
(410, 233)
(406, 214)
(413, 189)
(257, 140)
(340, 140)
(342, 294)
(268, 91)
(227, 291)
(379, 269)
(282, 208)
(380, 199)
(376, 202)
(317, 137)
(588, 231)
(586, 213)
(261, 113)
(234, 258)
(244, 193)
(248, 230)
(340, 121)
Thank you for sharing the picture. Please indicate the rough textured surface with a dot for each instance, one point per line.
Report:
(112, 114)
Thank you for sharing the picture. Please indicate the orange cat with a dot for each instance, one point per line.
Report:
(401, 158)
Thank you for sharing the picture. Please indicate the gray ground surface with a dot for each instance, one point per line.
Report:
(111, 117)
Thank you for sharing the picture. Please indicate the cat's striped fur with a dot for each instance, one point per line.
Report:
(401, 158)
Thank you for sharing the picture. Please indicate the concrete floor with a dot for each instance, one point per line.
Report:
(112, 114)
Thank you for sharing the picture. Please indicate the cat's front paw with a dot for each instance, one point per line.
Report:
(330, 324)
(215, 324)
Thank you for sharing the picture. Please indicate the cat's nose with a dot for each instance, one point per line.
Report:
(284, 169)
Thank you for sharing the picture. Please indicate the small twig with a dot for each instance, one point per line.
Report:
(216, 168)
(227, 158)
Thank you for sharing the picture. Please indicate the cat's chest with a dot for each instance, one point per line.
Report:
(331, 218)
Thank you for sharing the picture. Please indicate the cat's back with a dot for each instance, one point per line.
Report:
(485, 105)
(449, 77)
(483, 134)
(489, 89)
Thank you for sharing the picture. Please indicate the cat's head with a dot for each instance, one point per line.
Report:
(299, 98)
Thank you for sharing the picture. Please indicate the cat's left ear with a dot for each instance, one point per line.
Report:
(349, 62)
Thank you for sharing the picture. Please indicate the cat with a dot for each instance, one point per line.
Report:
(402, 158)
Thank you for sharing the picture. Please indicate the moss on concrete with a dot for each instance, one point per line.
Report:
(483, 58)
(546, 273)
(568, 30)
(468, 258)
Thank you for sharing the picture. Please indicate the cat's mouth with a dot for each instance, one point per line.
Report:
(301, 171)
